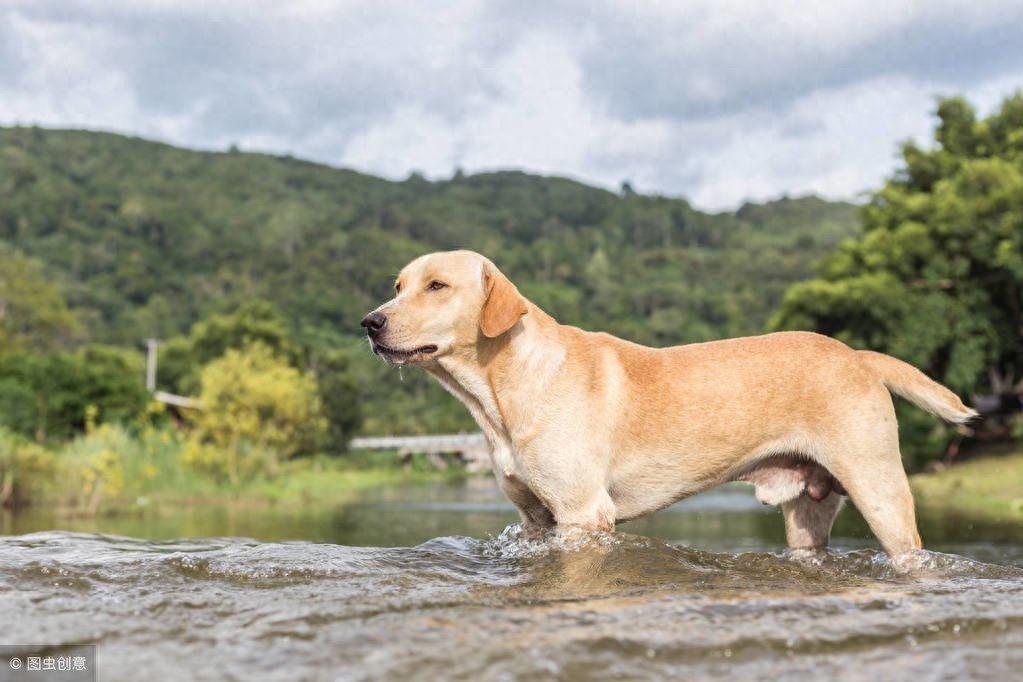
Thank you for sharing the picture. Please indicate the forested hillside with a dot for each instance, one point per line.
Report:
(145, 239)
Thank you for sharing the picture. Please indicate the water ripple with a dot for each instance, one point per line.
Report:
(585, 606)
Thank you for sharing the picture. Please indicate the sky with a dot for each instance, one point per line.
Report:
(717, 101)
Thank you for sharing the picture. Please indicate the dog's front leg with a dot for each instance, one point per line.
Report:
(593, 510)
(571, 485)
(537, 519)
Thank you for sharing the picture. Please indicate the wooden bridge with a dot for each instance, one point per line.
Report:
(471, 448)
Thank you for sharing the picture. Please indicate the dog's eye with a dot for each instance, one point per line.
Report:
(397, 288)
(436, 286)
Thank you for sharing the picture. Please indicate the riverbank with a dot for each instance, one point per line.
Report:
(987, 487)
(113, 471)
(320, 483)
(302, 504)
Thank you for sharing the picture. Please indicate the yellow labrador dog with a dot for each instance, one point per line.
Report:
(589, 430)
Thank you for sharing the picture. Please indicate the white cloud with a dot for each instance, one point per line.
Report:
(718, 101)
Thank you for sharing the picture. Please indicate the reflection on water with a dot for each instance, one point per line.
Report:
(715, 598)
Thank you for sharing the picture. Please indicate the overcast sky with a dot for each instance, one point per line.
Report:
(717, 101)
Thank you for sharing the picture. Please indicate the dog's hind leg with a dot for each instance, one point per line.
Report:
(870, 470)
(886, 503)
(808, 521)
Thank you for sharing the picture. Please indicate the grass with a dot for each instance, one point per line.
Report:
(989, 487)
(112, 470)
(328, 479)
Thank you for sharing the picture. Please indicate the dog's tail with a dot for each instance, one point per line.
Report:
(907, 381)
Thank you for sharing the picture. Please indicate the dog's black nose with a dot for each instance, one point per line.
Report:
(374, 322)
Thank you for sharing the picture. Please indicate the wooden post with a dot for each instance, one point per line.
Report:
(152, 345)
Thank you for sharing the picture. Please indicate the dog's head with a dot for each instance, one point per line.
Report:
(443, 304)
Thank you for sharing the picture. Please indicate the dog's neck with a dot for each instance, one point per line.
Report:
(512, 369)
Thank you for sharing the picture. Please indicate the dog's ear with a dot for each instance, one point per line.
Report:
(503, 306)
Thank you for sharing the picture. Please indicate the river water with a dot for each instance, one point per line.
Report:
(432, 583)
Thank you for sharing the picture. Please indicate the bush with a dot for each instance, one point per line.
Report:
(256, 410)
(26, 469)
(113, 463)
(92, 466)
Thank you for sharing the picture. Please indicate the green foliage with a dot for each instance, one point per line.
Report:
(181, 359)
(151, 458)
(258, 322)
(111, 466)
(177, 369)
(49, 396)
(33, 313)
(937, 277)
(110, 462)
(256, 409)
(339, 397)
(44, 391)
(111, 382)
(148, 240)
(115, 469)
(26, 469)
(92, 466)
(253, 322)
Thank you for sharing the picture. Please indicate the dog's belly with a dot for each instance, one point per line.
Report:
(645, 492)
(777, 479)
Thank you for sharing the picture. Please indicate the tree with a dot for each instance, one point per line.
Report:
(259, 323)
(112, 383)
(253, 322)
(937, 277)
(256, 411)
(177, 370)
(33, 314)
(182, 359)
(339, 397)
(49, 396)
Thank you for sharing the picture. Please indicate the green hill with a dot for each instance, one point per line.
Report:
(144, 239)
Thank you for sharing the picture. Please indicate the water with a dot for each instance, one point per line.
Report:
(702, 591)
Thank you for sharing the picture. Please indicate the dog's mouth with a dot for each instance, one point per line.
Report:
(398, 355)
